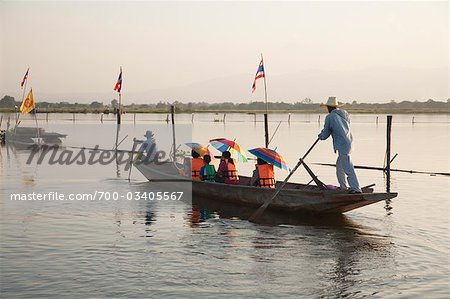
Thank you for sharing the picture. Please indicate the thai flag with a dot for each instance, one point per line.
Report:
(24, 78)
(118, 86)
(259, 74)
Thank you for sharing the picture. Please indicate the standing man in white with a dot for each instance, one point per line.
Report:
(337, 124)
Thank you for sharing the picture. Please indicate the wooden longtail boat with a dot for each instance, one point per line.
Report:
(293, 198)
(24, 137)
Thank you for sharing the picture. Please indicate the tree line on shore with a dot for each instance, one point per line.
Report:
(9, 104)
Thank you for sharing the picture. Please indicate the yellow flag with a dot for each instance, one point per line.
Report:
(27, 104)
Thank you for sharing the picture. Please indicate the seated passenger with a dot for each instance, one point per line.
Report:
(196, 164)
(227, 171)
(208, 171)
(263, 175)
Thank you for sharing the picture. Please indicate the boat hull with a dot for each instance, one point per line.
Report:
(294, 198)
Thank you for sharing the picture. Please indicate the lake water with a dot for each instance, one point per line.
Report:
(141, 249)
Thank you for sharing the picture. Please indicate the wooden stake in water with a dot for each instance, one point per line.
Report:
(388, 153)
(266, 130)
(172, 112)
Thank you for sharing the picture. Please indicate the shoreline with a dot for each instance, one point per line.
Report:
(157, 111)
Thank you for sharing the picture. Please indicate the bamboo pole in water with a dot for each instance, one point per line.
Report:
(388, 153)
(266, 130)
(172, 112)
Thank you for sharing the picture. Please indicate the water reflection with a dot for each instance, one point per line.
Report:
(198, 215)
(335, 250)
(116, 146)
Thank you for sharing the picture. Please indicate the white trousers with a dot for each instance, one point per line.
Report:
(345, 171)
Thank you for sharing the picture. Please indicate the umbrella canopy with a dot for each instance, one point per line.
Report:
(223, 144)
(270, 156)
(197, 147)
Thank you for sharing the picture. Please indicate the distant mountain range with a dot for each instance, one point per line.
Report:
(367, 85)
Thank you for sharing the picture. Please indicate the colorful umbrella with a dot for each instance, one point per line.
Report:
(270, 156)
(197, 147)
(235, 150)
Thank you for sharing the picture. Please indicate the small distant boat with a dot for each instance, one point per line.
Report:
(27, 136)
(293, 198)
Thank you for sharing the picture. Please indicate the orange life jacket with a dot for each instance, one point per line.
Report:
(196, 164)
(266, 176)
(231, 173)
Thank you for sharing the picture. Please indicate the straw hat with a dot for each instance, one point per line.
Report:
(148, 134)
(332, 102)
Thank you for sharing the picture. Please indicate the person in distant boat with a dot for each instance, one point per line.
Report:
(263, 175)
(227, 172)
(208, 171)
(148, 147)
(337, 124)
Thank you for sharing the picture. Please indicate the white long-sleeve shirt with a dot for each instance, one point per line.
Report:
(337, 124)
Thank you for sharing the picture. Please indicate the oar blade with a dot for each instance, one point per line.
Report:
(259, 212)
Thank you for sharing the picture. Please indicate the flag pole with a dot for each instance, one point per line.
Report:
(35, 119)
(37, 127)
(266, 121)
(119, 112)
(23, 98)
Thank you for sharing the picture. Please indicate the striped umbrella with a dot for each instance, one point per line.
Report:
(223, 144)
(270, 156)
(197, 147)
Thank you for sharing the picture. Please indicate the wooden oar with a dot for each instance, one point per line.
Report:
(316, 180)
(262, 208)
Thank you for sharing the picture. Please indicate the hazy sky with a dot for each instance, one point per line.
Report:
(78, 47)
